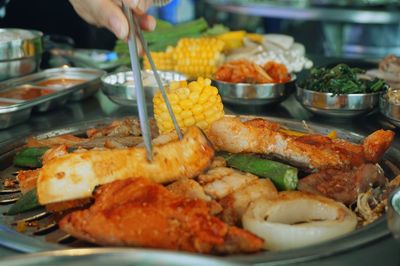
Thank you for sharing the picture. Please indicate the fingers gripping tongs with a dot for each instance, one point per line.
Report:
(135, 30)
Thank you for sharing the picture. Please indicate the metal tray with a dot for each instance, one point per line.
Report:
(19, 112)
(113, 256)
(48, 237)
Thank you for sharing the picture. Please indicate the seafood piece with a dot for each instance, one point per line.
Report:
(235, 204)
(54, 152)
(235, 190)
(343, 185)
(221, 181)
(75, 175)
(310, 151)
(139, 212)
(190, 189)
(27, 179)
(296, 219)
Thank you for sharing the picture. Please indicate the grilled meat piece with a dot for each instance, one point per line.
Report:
(75, 175)
(343, 185)
(310, 151)
(75, 142)
(68, 140)
(139, 212)
(121, 128)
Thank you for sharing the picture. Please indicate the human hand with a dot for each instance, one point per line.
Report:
(108, 14)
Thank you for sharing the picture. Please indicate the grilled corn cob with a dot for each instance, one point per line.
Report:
(197, 103)
(198, 57)
(162, 60)
(193, 57)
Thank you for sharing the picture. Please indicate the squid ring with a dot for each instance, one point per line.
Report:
(297, 219)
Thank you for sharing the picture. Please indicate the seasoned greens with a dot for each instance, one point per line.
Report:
(341, 79)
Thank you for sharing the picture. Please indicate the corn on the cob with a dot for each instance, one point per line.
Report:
(198, 57)
(197, 103)
(193, 57)
(162, 60)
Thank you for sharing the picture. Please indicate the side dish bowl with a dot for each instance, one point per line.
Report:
(389, 109)
(20, 52)
(339, 105)
(254, 94)
(120, 89)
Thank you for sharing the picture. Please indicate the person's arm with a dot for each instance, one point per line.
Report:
(108, 14)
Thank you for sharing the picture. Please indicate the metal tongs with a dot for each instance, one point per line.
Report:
(134, 29)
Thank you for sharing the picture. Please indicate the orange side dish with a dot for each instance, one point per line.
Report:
(243, 71)
(5, 103)
(25, 93)
(63, 82)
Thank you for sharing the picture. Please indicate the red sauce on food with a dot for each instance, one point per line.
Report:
(61, 82)
(25, 93)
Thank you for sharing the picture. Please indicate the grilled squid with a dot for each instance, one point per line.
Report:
(296, 219)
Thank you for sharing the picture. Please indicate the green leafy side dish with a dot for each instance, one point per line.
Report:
(342, 79)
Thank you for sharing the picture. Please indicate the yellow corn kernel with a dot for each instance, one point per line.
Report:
(186, 104)
(202, 124)
(195, 86)
(189, 122)
(199, 117)
(176, 108)
(186, 114)
(197, 109)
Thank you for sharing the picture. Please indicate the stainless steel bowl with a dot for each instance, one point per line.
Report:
(254, 94)
(393, 213)
(339, 105)
(20, 52)
(120, 89)
(390, 110)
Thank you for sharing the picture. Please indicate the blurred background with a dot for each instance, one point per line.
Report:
(338, 28)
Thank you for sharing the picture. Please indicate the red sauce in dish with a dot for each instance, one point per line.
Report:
(25, 93)
(5, 103)
(61, 82)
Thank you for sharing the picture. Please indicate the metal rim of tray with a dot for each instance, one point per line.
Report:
(365, 235)
(114, 256)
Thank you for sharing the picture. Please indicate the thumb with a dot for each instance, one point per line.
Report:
(112, 17)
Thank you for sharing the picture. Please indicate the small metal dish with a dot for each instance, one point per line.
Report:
(389, 110)
(393, 213)
(20, 52)
(338, 105)
(119, 86)
(254, 94)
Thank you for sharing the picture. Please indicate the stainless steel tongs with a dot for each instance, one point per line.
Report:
(134, 29)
